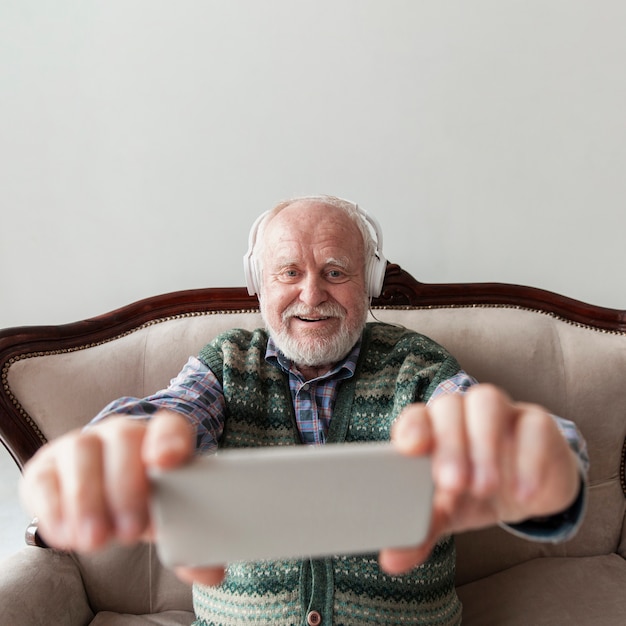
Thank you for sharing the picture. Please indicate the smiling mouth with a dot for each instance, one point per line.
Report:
(312, 319)
(326, 312)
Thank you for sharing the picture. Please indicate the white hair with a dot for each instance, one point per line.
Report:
(349, 208)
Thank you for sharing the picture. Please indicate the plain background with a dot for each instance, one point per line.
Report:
(140, 138)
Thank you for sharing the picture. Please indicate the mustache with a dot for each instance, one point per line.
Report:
(327, 309)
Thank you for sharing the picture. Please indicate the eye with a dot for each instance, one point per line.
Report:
(336, 275)
(288, 274)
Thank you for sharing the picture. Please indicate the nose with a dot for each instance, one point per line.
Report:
(312, 290)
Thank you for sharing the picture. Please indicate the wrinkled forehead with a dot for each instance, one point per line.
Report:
(306, 228)
(309, 220)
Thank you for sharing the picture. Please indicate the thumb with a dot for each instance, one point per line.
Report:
(203, 575)
(412, 431)
(169, 440)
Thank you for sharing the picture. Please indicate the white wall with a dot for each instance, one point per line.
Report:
(139, 139)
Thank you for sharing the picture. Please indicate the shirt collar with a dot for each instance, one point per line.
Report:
(342, 369)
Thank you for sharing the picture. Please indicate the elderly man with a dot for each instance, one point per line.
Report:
(313, 262)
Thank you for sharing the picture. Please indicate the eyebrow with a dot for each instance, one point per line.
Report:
(282, 262)
(343, 263)
(279, 263)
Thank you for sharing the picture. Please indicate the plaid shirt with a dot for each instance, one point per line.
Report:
(313, 400)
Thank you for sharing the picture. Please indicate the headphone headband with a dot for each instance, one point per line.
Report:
(374, 270)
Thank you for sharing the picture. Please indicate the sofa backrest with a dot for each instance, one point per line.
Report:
(572, 361)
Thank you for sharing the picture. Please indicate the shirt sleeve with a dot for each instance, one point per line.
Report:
(555, 528)
(459, 383)
(195, 393)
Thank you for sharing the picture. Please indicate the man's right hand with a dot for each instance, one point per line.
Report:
(90, 487)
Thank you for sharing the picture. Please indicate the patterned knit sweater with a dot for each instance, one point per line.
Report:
(395, 367)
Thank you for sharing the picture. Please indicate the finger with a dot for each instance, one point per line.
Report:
(40, 494)
(488, 419)
(397, 561)
(169, 440)
(205, 576)
(126, 483)
(84, 513)
(412, 432)
(450, 457)
(547, 478)
(529, 443)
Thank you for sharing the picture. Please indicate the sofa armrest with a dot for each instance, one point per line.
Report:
(40, 587)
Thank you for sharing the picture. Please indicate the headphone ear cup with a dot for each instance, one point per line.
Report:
(250, 272)
(377, 264)
(376, 274)
(250, 269)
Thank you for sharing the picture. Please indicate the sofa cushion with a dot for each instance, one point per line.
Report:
(41, 587)
(548, 592)
(132, 580)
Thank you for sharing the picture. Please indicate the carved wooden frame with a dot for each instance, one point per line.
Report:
(20, 435)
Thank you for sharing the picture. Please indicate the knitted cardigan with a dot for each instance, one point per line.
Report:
(395, 367)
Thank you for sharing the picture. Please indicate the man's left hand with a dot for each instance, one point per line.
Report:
(493, 461)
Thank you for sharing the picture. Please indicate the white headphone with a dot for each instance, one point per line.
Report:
(374, 271)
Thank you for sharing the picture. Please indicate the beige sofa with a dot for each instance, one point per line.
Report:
(541, 347)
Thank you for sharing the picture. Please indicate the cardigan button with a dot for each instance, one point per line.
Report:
(313, 618)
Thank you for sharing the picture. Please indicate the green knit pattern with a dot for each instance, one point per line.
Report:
(396, 367)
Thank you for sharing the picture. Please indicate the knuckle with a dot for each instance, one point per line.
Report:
(487, 393)
(446, 408)
(121, 428)
(80, 491)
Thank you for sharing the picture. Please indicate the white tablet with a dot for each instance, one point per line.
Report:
(291, 501)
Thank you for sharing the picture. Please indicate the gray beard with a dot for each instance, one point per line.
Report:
(320, 351)
(316, 351)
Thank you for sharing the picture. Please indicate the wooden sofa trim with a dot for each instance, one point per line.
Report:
(21, 436)
(622, 469)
